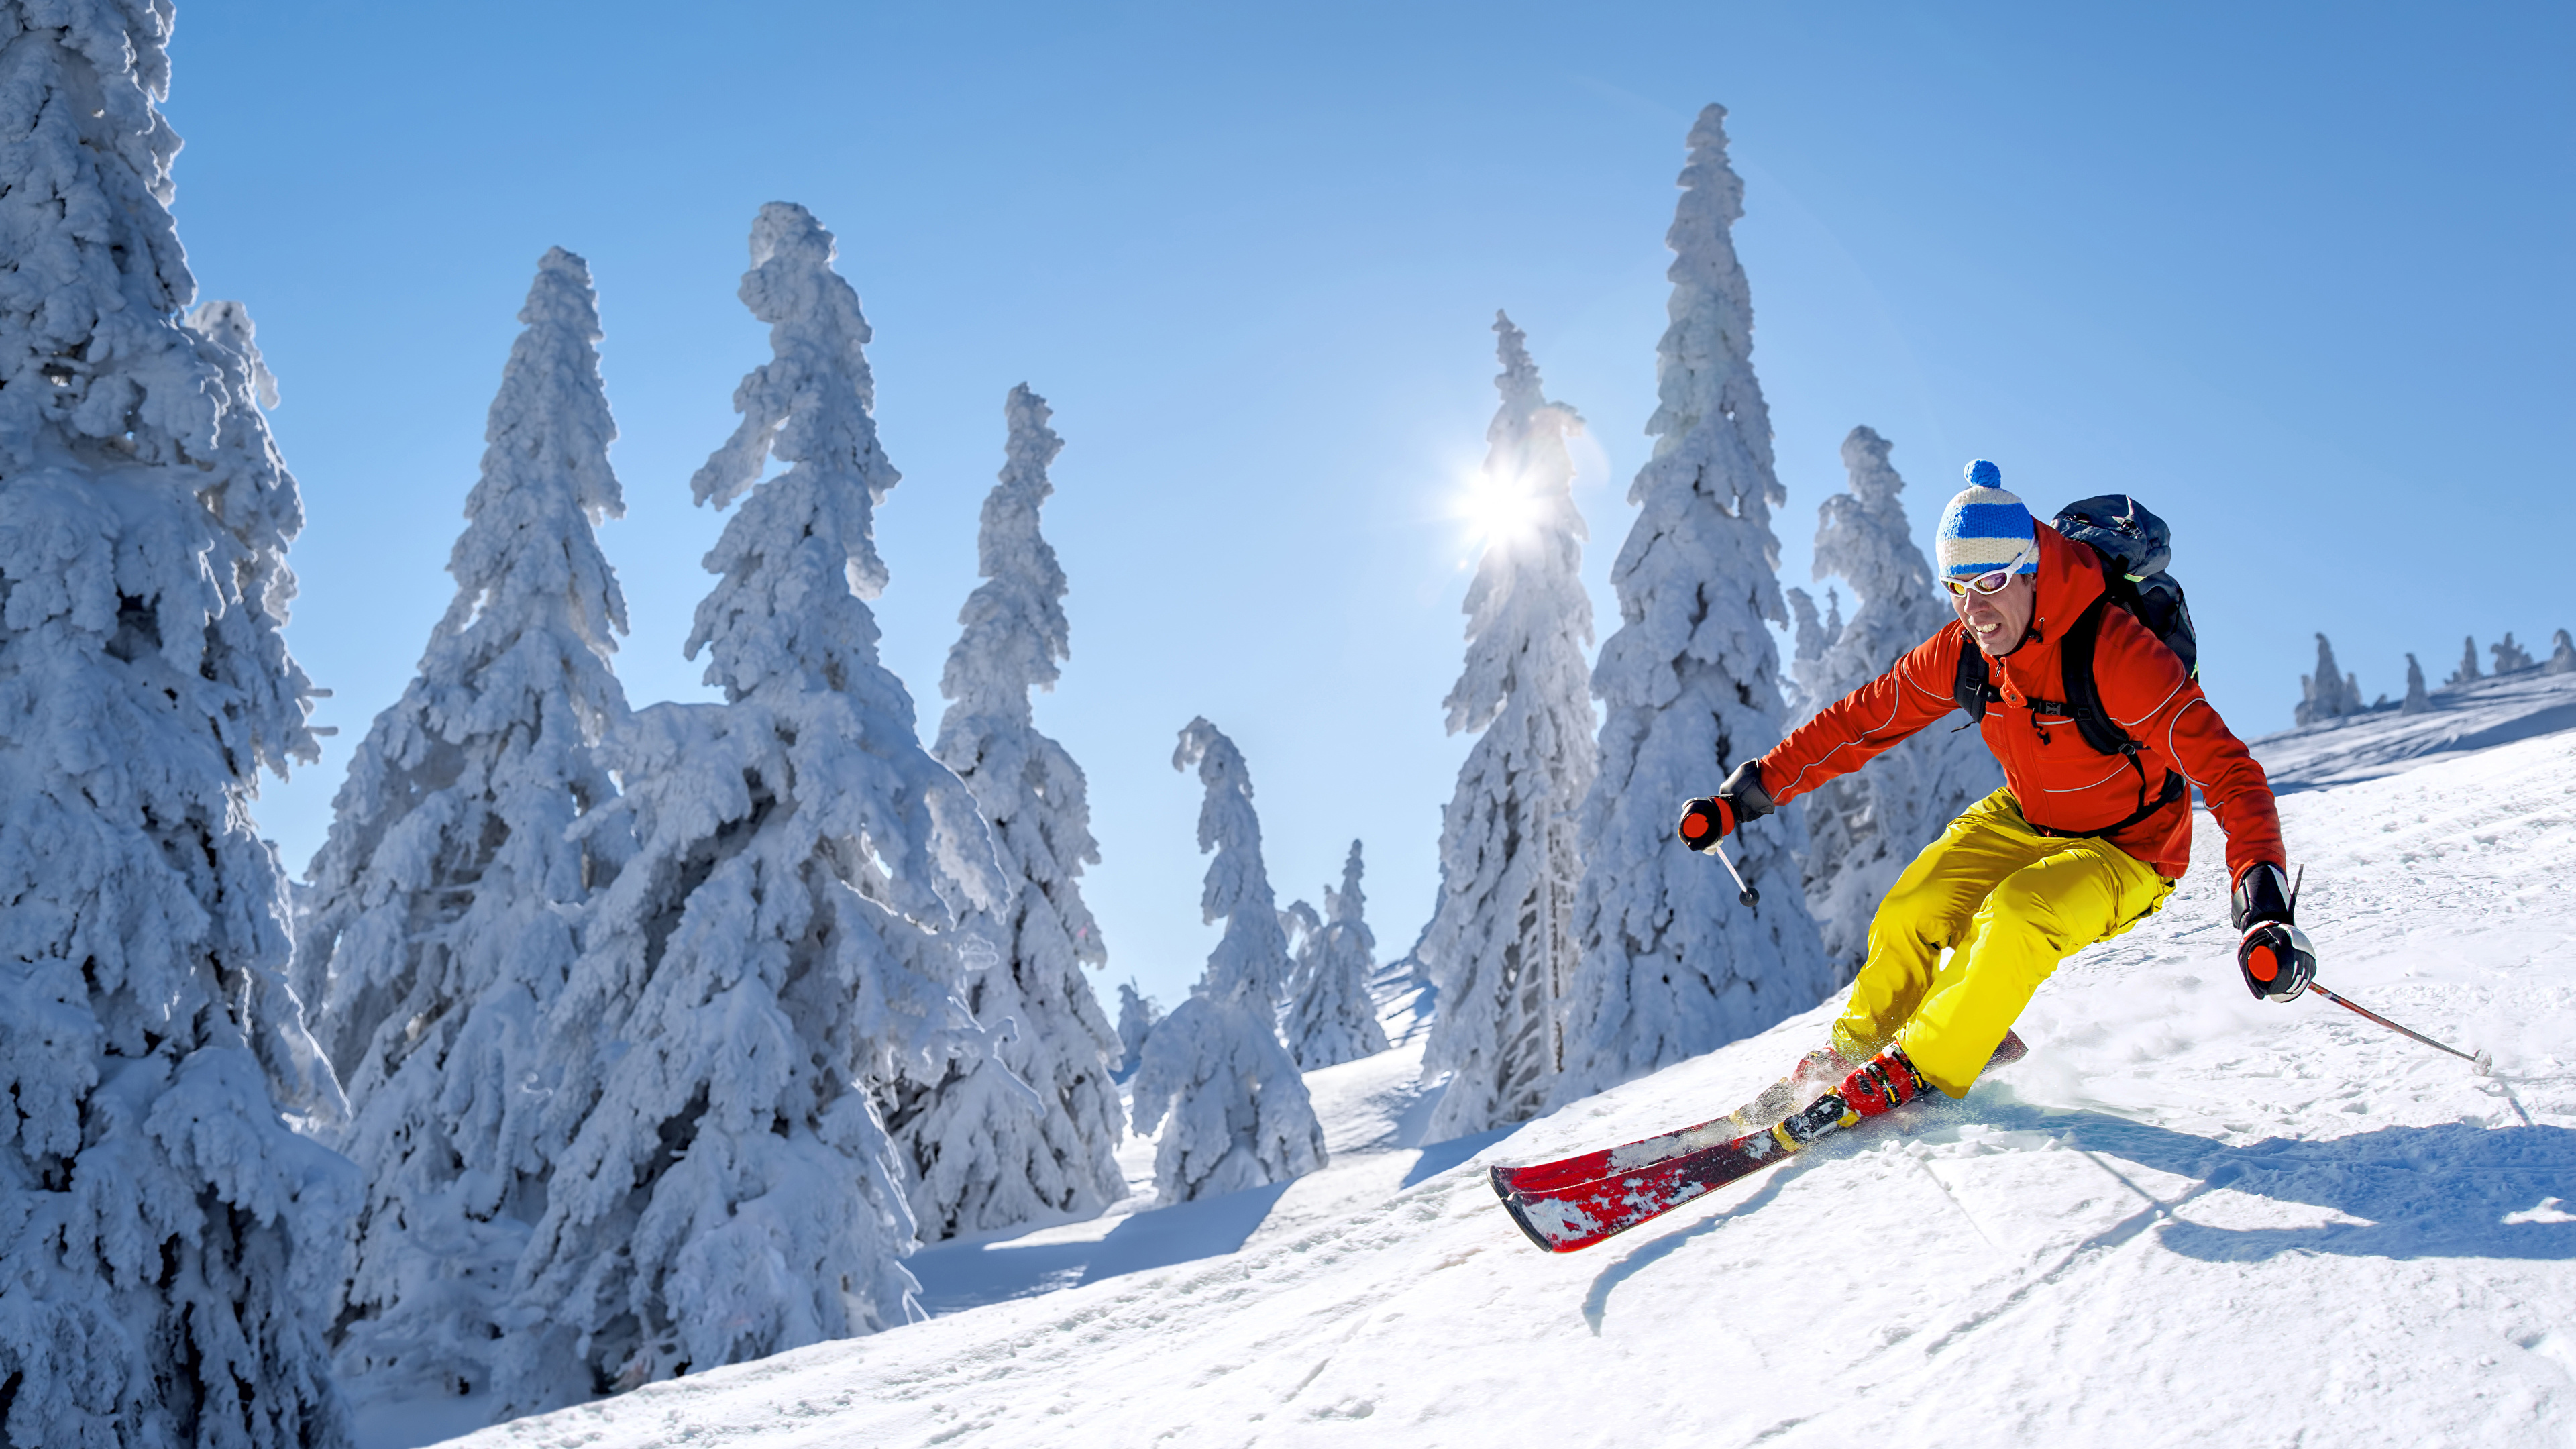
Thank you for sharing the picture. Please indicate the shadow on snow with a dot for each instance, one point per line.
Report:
(2456, 1190)
(957, 1276)
(1439, 1157)
(2424, 1192)
(2450, 1191)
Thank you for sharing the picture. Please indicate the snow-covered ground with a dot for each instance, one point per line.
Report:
(2186, 1217)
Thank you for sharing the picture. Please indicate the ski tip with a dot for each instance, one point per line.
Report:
(1539, 1240)
(1499, 1178)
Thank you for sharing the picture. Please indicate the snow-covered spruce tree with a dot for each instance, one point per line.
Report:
(2467, 673)
(1301, 926)
(2327, 694)
(441, 910)
(2562, 658)
(1864, 828)
(1672, 965)
(168, 1237)
(2417, 701)
(1811, 634)
(984, 1153)
(1331, 1019)
(2508, 655)
(1239, 1112)
(1137, 1014)
(229, 323)
(769, 954)
(1500, 948)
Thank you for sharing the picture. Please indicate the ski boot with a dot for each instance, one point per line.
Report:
(1881, 1084)
(1816, 1073)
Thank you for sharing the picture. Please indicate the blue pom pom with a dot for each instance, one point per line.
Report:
(1982, 474)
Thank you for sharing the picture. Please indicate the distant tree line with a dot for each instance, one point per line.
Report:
(2327, 696)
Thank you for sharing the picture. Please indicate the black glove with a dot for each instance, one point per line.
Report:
(1705, 821)
(2276, 956)
(1711, 818)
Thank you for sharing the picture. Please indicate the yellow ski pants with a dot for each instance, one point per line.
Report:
(2008, 903)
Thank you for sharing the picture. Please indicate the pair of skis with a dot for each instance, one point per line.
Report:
(1577, 1201)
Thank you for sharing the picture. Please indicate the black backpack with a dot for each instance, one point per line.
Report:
(2134, 547)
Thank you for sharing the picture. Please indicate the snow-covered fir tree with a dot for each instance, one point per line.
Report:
(2508, 655)
(1137, 1014)
(984, 1152)
(1303, 927)
(771, 952)
(442, 909)
(1672, 965)
(1330, 1017)
(2562, 657)
(1500, 948)
(1239, 1114)
(169, 1239)
(1866, 827)
(2467, 673)
(1811, 634)
(229, 323)
(2417, 700)
(2327, 694)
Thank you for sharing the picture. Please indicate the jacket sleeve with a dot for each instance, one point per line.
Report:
(2146, 692)
(1869, 721)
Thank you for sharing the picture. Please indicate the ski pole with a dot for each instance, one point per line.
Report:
(2484, 1062)
(1744, 893)
(1698, 819)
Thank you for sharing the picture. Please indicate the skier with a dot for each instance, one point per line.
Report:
(2077, 847)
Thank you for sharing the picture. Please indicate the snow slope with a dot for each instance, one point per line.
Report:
(2187, 1217)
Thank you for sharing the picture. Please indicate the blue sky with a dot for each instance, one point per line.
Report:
(2297, 277)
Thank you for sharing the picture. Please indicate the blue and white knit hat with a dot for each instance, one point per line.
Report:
(1985, 529)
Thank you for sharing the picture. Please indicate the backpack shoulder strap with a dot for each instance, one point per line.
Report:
(2084, 706)
(2083, 694)
(1971, 688)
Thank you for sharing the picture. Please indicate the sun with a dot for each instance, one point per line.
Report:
(1495, 510)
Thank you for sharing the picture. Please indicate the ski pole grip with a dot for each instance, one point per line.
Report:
(1705, 821)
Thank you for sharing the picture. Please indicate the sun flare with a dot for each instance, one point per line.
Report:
(1495, 510)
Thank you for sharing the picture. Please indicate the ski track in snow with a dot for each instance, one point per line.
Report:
(2186, 1217)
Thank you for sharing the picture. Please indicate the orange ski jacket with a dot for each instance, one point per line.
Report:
(2062, 783)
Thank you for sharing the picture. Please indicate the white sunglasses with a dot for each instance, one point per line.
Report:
(1990, 582)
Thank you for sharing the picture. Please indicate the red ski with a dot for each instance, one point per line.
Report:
(1562, 1210)
(1775, 1102)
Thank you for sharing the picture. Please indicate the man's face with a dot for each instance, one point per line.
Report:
(1996, 622)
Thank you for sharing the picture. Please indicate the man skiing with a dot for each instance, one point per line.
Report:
(2076, 848)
